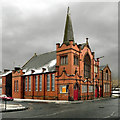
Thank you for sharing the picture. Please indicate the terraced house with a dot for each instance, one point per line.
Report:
(70, 73)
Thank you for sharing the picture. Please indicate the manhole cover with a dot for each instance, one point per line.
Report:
(101, 106)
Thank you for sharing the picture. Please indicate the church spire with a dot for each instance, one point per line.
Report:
(68, 33)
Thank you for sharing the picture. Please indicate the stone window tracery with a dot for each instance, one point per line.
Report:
(87, 66)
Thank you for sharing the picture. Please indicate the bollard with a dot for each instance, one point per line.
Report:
(5, 103)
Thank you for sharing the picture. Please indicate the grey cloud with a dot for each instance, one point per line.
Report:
(24, 35)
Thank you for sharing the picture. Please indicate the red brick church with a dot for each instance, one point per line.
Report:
(70, 73)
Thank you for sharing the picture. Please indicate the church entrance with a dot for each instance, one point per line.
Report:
(76, 91)
(100, 91)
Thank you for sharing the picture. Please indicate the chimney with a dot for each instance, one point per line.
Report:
(35, 54)
(57, 45)
(43, 70)
(17, 68)
(6, 70)
(86, 41)
(32, 71)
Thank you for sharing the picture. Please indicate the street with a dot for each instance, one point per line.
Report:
(107, 108)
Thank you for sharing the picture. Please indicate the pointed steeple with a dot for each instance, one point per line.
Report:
(68, 33)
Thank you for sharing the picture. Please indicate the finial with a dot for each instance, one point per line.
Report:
(68, 10)
(35, 54)
(87, 41)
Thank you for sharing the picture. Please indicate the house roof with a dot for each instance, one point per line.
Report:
(6, 73)
(83, 45)
(37, 62)
(102, 67)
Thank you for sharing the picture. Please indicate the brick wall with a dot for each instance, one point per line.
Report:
(17, 88)
(7, 84)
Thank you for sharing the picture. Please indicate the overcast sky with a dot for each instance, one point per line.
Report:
(35, 26)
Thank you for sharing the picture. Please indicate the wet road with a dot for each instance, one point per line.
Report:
(98, 109)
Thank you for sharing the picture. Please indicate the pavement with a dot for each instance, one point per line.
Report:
(11, 107)
(18, 107)
(48, 101)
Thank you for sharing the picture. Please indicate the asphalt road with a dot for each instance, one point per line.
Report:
(97, 109)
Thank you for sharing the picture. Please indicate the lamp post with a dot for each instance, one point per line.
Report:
(5, 103)
(100, 57)
(87, 87)
(95, 87)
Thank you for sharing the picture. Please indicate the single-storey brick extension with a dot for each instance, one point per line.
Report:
(70, 73)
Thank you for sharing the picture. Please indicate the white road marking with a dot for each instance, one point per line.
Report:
(52, 113)
(110, 115)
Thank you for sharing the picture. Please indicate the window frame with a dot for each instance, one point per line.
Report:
(106, 75)
(90, 88)
(29, 87)
(26, 86)
(48, 82)
(36, 83)
(63, 59)
(84, 88)
(76, 60)
(40, 83)
(17, 86)
(53, 82)
(87, 66)
(95, 69)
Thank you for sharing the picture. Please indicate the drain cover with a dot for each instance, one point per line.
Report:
(101, 106)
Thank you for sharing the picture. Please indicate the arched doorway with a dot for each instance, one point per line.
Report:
(76, 87)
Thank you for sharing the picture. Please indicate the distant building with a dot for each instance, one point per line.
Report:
(0, 85)
(7, 82)
(69, 73)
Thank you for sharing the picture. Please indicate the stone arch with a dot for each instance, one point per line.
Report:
(76, 91)
(76, 86)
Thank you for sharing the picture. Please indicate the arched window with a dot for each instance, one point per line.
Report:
(106, 74)
(87, 66)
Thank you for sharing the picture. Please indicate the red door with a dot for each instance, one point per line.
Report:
(76, 94)
(96, 93)
(100, 92)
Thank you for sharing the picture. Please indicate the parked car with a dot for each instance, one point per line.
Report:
(116, 92)
(5, 97)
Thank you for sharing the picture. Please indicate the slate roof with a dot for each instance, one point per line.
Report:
(82, 45)
(102, 67)
(68, 33)
(6, 73)
(38, 61)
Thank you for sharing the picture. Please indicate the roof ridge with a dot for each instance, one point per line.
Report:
(28, 61)
(103, 65)
(46, 53)
(36, 56)
(40, 60)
